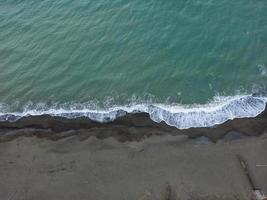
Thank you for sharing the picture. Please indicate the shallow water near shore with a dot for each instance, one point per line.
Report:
(177, 61)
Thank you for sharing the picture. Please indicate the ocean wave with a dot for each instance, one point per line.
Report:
(180, 116)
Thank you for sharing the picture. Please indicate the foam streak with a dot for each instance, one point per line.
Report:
(179, 116)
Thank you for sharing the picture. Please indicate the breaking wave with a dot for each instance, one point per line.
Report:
(181, 116)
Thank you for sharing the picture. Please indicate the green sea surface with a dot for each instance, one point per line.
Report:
(120, 51)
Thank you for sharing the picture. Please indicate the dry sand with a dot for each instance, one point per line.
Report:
(133, 158)
(158, 167)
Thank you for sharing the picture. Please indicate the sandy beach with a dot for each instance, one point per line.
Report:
(159, 167)
(132, 158)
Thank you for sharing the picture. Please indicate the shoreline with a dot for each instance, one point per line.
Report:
(133, 158)
(131, 127)
(218, 111)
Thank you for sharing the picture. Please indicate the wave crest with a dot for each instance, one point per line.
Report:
(218, 111)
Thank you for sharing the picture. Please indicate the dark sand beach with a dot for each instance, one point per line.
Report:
(132, 158)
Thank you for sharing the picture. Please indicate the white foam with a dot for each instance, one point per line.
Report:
(218, 111)
(262, 69)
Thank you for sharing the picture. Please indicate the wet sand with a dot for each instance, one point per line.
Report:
(131, 158)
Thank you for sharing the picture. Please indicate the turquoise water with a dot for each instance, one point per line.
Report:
(116, 52)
